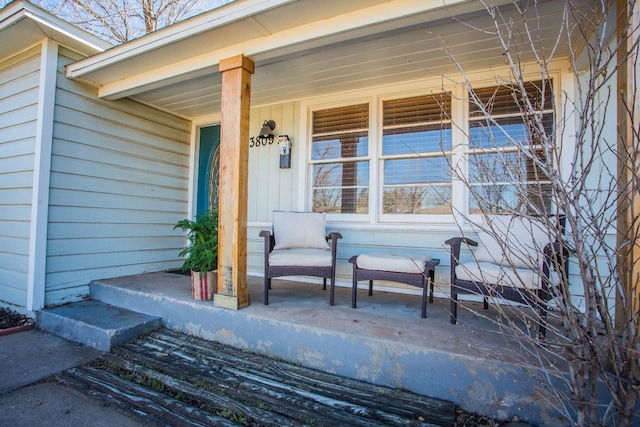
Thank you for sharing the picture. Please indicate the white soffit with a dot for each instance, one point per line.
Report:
(263, 30)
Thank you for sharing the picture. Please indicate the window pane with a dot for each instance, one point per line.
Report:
(417, 200)
(504, 168)
(506, 99)
(418, 109)
(505, 198)
(417, 171)
(337, 120)
(418, 139)
(340, 135)
(346, 174)
(340, 146)
(417, 126)
(341, 200)
(510, 132)
(505, 178)
(341, 187)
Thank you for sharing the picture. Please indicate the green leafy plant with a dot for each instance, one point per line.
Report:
(201, 253)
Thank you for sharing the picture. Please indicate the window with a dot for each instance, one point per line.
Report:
(416, 141)
(339, 160)
(400, 167)
(504, 150)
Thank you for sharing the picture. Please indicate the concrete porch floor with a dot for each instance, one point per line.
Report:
(384, 341)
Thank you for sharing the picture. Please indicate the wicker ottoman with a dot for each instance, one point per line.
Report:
(412, 270)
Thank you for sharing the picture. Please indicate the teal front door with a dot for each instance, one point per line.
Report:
(208, 168)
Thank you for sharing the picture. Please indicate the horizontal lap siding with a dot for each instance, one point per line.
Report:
(119, 180)
(19, 80)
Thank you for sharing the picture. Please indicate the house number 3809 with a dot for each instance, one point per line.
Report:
(257, 141)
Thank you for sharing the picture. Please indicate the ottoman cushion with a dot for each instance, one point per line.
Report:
(392, 262)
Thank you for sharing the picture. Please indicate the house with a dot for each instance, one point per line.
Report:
(103, 149)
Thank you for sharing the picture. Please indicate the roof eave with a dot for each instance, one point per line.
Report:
(51, 27)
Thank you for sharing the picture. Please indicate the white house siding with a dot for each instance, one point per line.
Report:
(119, 180)
(19, 79)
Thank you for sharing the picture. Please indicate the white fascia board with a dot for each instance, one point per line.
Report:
(175, 33)
(262, 46)
(50, 25)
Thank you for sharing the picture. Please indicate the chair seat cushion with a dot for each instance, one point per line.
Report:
(487, 272)
(300, 257)
(392, 262)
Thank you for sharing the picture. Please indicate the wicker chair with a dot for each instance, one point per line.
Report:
(298, 246)
(522, 266)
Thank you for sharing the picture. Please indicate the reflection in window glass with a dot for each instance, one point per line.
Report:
(340, 147)
(504, 159)
(417, 170)
(340, 170)
(508, 198)
(416, 140)
(416, 144)
(417, 200)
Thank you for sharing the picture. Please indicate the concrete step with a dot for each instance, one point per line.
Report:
(96, 324)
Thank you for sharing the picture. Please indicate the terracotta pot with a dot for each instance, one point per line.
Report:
(14, 329)
(203, 286)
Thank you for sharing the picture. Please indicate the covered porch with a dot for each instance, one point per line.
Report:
(384, 341)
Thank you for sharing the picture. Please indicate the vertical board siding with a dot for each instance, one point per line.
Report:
(119, 179)
(19, 80)
(271, 188)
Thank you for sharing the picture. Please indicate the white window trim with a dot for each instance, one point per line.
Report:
(556, 76)
(305, 162)
(382, 218)
(459, 150)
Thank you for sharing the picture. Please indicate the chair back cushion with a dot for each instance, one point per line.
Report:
(512, 240)
(299, 230)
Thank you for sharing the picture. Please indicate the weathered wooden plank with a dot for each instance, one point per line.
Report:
(300, 387)
(129, 399)
(169, 411)
(181, 380)
(282, 410)
(357, 392)
(224, 398)
(69, 379)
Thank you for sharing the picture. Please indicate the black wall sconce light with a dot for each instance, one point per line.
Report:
(266, 135)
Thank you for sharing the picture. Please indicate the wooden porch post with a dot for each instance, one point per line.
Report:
(233, 193)
(628, 99)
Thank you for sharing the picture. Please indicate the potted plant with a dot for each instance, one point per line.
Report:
(201, 253)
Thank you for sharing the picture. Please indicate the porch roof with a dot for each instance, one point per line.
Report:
(303, 48)
(23, 25)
